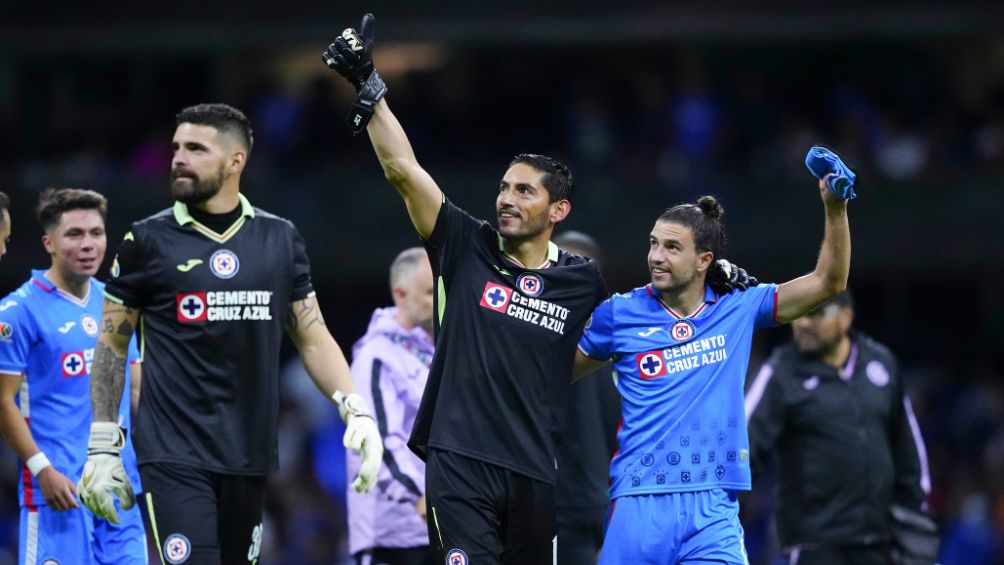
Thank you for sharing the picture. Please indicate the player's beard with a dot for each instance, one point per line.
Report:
(197, 189)
(676, 283)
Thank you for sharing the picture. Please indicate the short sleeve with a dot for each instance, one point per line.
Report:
(764, 301)
(302, 286)
(133, 356)
(453, 233)
(17, 333)
(597, 339)
(127, 283)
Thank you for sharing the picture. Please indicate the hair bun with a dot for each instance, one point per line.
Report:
(710, 207)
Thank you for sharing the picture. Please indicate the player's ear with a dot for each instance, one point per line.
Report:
(846, 319)
(237, 160)
(47, 243)
(704, 261)
(560, 210)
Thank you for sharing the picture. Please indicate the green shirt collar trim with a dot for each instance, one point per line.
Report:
(183, 216)
(552, 249)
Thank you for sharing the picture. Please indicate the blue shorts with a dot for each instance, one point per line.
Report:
(674, 528)
(77, 537)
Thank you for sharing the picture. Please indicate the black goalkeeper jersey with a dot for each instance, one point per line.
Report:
(505, 343)
(212, 312)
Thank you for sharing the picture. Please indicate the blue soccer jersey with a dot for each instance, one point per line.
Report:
(47, 336)
(681, 381)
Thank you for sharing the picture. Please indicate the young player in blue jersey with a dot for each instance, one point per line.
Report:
(681, 351)
(48, 329)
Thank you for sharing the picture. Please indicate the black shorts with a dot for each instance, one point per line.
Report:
(201, 517)
(485, 514)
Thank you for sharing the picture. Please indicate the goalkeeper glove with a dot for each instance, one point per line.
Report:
(724, 277)
(351, 55)
(362, 435)
(104, 473)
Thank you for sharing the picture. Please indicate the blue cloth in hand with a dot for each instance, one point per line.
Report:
(821, 161)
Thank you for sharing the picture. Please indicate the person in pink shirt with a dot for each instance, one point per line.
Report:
(390, 365)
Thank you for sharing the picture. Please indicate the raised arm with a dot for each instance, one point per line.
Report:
(351, 55)
(326, 365)
(796, 297)
(422, 196)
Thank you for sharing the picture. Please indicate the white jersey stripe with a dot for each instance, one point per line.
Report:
(23, 398)
(755, 394)
(918, 440)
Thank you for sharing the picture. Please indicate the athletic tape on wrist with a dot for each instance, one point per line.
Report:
(36, 463)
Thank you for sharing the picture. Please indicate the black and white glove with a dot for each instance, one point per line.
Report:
(104, 473)
(724, 277)
(362, 435)
(351, 55)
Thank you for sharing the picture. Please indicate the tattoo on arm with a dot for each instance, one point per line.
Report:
(303, 314)
(125, 329)
(107, 382)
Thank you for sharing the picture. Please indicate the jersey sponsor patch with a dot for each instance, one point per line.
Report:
(73, 364)
(682, 330)
(650, 365)
(530, 284)
(456, 557)
(495, 297)
(89, 324)
(177, 548)
(6, 331)
(224, 264)
(192, 307)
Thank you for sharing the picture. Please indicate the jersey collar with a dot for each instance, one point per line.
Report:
(552, 254)
(41, 281)
(184, 217)
(710, 297)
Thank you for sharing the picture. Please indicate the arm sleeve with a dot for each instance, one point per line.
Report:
(302, 287)
(376, 379)
(453, 233)
(17, 334)
(127, 283)
(913, 480)
(597, 339)
(764, 299)
(764, 415)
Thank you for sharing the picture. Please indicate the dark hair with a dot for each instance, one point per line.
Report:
(579, 243)
(557, 178)
(843, 300)
(704, 221)
(53, 202)
(223, 117)
(4, 205)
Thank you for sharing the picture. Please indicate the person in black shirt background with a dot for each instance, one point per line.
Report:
(215, 280)
(832, 405)
(588, 443)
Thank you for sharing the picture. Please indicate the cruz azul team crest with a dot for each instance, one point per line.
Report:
(682, 330)
(456, 557)
(530, 284)
(224, 264)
